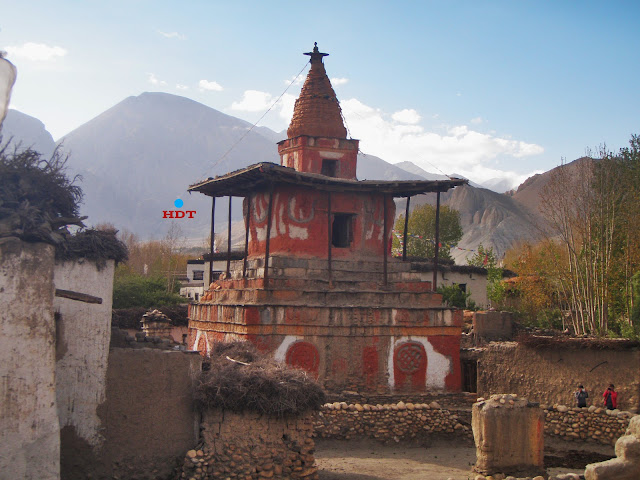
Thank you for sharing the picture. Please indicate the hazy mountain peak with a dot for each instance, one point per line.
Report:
(28, 131)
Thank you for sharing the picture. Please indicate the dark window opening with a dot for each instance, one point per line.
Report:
(470, 376)
(342, 230)
(196, 296)
(462, 287)
(198, 274)
(329, 168)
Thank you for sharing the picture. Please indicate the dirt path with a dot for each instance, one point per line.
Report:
(369, 460)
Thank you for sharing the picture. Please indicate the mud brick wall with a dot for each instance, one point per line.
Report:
(148, 417)
(391, 422)
(586, 424)
(551, 376)
(252, 446)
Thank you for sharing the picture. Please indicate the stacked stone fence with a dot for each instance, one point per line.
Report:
(389, 422)
(590, 424)
(252, 446)
(449, 400)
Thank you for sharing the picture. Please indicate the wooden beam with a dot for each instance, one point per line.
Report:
(266, 250)
(329, 237)
(437, 245)
(406, 226)
(213, 236)
(247, 218)
(80, 297)
(229, 240)
(385, 239)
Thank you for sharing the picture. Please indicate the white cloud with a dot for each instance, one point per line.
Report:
(153, 80)
(181, 87)
(257, 101)
(457, 149)
(209, 86)
(253, 101)
(177, 35)
(295, 80)
(338, 81)
(408, 115)
(35, 52)
(477, 120)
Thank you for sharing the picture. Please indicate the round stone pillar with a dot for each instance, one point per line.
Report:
(509, 435)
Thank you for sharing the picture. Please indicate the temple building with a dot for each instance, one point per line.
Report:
(317, 286)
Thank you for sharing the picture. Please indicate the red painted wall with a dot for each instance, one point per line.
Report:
(299, 223)
(305, 154)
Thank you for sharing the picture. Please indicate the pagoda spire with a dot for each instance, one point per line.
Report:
(317, 111)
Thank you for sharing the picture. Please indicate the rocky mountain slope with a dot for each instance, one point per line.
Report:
(25, 131)
(139, 156)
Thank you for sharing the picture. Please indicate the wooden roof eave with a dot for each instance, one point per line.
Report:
(242, 183)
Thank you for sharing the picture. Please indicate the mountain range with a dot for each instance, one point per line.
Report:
(138, 157)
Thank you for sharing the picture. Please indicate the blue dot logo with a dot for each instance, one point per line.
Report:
(178, 203)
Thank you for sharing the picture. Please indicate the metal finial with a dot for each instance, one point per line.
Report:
(316, 55)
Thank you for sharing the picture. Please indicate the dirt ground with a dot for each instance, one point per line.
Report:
(369, 460)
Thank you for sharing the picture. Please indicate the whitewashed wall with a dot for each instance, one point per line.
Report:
(476, 283)
(29, 428)
(84, 333)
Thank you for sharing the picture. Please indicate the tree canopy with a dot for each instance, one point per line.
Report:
(422, 231)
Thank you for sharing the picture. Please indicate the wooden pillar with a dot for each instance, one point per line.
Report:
(406, 226)
(437, 245)
(385, 239)
(266, 250)
(247, 218)
(229, 241)
(213, 236)
(329, 237)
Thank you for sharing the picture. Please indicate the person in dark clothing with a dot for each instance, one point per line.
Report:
(610, 397)
(581, 396)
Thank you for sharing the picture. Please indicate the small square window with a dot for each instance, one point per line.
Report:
(342, 230)
(329, 168)
(198, 274)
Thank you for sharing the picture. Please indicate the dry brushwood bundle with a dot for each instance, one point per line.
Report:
(241, 378)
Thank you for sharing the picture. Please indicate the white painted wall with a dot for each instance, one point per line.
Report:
(84, 332)
(476, 283)
(29, 428)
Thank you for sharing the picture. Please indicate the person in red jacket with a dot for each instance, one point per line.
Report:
(610, 397)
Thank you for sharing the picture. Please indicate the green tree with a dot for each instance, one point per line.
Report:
(593, 207)
(486, 258)
(134, 290)
(422, 231)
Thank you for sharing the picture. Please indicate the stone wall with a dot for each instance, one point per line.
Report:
(551, 376)
(489, 326)
(390, 422)
(586, 424)
(29, 429)
(83, 331)
(148, 418)
(252, 446)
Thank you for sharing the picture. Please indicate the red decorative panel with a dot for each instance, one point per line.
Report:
(304, 355)
(410, 366)
(370, 365)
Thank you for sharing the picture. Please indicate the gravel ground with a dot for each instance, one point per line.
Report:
(369, 460)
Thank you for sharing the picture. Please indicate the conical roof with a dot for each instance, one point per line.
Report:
(317, 112)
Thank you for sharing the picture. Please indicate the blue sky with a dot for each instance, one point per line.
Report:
(481, 88)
